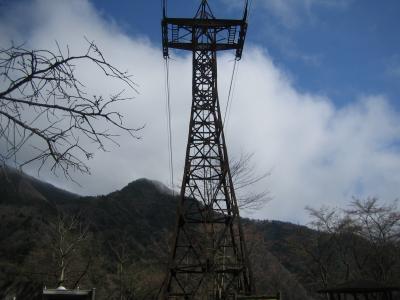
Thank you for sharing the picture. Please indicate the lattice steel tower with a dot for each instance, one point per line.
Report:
(209, 258)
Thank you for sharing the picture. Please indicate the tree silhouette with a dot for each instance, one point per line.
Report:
(45, 105)
(361, 242)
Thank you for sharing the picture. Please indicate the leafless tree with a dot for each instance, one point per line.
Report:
(336, 228)
(66, 237)
(45, 105)
(136, 278)
(360, 242)
(317, 249)
(122, 255)
(244, 176)
(379, 224)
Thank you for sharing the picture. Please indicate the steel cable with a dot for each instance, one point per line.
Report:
(168, 117)
(230, 93)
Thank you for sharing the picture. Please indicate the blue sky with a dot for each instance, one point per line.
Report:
(343, 48)
(316, 98)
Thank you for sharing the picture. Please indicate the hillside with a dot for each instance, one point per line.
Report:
(16, 186)
(126, 230)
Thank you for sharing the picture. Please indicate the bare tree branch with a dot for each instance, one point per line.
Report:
(244, 176)
(67, 234)
(365, 239)
(44, 105)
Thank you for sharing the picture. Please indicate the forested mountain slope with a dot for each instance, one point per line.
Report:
(120, 241)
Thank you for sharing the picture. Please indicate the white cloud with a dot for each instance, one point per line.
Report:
(291, 13)
(318, 153)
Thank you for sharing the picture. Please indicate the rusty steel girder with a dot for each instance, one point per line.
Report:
(209, 258)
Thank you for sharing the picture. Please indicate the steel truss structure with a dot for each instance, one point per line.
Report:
(209, 258)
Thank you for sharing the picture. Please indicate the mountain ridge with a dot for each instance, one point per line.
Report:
(139, 217)
(16, 184)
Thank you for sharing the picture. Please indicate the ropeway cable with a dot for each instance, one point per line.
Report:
(230, 93)
(169, 127)
(233, 76)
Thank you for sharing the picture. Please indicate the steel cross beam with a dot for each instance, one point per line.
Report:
(196, 34)
(209, 257)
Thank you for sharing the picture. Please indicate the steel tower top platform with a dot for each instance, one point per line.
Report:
(204, 32)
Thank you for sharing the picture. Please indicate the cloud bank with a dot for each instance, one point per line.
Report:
(291, 13)
(318, 153)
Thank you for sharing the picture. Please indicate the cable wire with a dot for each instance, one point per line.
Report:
(234, 74)
(169, 127)
(230, 93)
